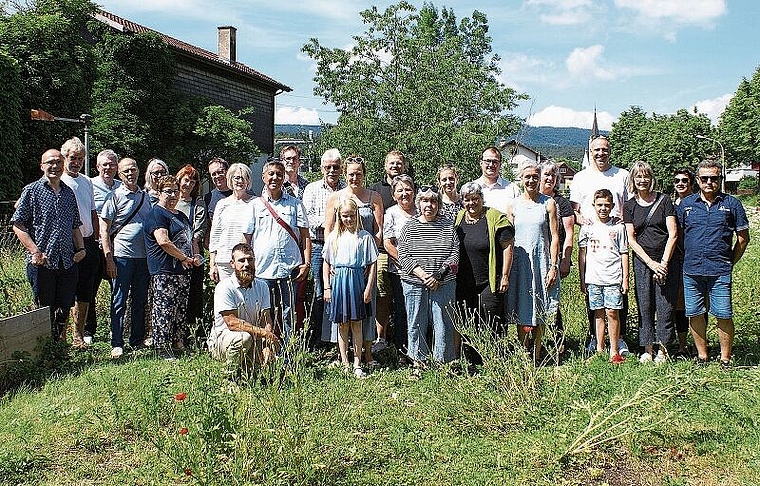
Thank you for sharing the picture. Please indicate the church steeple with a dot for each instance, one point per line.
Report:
(594, 127)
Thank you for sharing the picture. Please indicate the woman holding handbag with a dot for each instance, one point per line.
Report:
(650, 220)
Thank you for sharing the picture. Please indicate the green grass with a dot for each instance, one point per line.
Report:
(583, 422)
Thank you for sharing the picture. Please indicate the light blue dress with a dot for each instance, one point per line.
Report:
(349, 256)
(528, 303)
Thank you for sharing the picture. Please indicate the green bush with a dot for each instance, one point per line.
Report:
(10, 127)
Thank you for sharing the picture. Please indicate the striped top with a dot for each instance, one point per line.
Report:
(429, 245)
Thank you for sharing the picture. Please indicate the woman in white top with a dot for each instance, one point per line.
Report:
(231, 218)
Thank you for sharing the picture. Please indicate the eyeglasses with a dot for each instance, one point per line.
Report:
(681, 180)
(424, 189)
(128, 170)
(238, 178)
(331, 167)
(706, 179)
(355, 160)
(219, 173)
(170, 192)
(291, 158)
(643, 177)
(491, 161)
(157, 173)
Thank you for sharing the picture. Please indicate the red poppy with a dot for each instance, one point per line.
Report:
(180, 396)
(188, 471)
(183, 431)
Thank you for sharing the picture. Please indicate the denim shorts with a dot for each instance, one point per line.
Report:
(717, 288)
(604, 296)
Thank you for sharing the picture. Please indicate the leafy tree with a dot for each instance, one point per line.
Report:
(416, 81)
(57, 69)
(10, 127)
(222, 133)
(666, 142)
(739, 127)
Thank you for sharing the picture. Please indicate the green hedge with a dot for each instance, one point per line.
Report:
(10, 127)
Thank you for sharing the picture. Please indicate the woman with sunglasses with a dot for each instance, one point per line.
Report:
(428, 252)
(172, 253)
(533, 295)
(683, 183)
(156, 170)
(370, 206)
(650, 221)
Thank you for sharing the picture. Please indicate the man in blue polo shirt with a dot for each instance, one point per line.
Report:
(708, 221)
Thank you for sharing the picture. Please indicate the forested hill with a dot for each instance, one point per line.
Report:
(551, 141)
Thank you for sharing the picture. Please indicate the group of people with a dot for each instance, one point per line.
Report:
(388, 262)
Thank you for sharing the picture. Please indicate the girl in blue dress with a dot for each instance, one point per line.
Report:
(350, 254)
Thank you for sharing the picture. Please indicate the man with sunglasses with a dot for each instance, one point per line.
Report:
(497, 191)
(707, 221)
(315, 197)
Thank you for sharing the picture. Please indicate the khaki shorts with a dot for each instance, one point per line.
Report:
(383, 283)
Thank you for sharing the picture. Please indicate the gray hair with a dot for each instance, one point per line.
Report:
(525, 165)
(331, 155)
(108, 154)
(710, 164)
(72, 145)
(429, 193)
(471, 188)
(149, 182)
(402, 178)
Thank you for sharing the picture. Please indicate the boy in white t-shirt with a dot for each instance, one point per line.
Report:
(603, 263)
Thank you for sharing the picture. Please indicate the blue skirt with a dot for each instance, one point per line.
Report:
(347, 295)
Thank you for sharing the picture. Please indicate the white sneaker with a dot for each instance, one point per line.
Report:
(660, 358)
(117, 352)
(359, 373)
(591, 348)
(623, 347)
(645, 358)
(87, 340)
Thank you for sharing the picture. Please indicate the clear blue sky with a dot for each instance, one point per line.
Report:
(567, 55)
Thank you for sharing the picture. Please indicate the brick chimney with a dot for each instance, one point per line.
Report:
(227, 43)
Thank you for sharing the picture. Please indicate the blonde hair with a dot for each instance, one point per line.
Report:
(340, 228)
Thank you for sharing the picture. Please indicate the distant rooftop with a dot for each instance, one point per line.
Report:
(124, 25)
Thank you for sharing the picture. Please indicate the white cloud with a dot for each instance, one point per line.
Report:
(713, 108)
(559, 116)
(518, 69)
(563, 12)
(585, 62)
(296, 115)
(698, 12)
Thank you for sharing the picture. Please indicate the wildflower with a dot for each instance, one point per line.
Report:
(183, 431)
(188, 471)
(180, 396)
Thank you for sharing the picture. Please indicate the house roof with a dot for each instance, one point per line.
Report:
(124, 25)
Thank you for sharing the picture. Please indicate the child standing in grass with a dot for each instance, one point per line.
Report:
(350, 255)
(603, 264)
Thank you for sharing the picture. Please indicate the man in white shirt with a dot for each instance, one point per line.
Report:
(242, 333)
(73, 152)
(497, 191)
(600, 174)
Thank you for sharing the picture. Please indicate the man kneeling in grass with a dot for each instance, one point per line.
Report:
(242, 334)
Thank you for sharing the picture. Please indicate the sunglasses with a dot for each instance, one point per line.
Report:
(355, 160)
(706, 179)
(424, 189)
(681, 180)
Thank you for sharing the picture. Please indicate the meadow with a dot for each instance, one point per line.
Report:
(576, 420)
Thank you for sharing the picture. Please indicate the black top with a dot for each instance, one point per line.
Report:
(654, 236)
(386, 192)
(474, 251)
(565, 209)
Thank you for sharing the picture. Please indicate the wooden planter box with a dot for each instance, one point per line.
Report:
(23, 333)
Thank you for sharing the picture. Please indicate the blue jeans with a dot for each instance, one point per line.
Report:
(132, 277)
(281, 310)
(655, 301)
(423, 306)
(318, 316)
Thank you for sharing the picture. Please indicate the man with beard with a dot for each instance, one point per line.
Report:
(242, 333)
